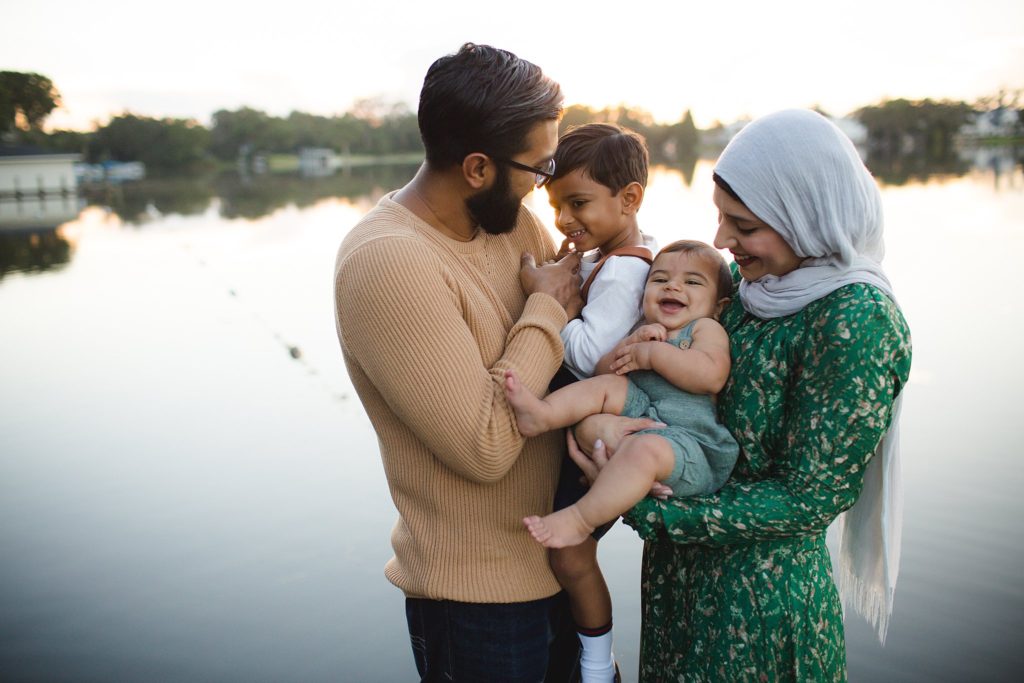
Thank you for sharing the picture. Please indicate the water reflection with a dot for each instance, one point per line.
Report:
(244, 196)
(30, 243)
(33, 251)
(206, 509)
(30, 238)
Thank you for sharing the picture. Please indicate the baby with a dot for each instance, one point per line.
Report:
(677, 361)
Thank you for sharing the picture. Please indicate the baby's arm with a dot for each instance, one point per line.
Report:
(701, 369)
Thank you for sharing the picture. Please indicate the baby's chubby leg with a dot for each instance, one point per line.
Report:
(567, 406)
(641, 460)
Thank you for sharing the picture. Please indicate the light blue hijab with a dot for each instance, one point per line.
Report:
(802, 176)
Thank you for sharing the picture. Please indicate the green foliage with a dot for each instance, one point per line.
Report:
(163, 144)
(26, 99)
(666, 143)
(371, 128)
(922, 127)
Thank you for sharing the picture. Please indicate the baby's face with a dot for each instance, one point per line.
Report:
(681, 288)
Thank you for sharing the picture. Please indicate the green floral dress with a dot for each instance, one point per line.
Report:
(737, 586)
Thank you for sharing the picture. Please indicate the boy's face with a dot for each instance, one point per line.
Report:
(681, 288)
(589, 214)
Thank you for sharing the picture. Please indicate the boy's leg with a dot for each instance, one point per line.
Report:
(577, 570)
(641, 460)
(568, 405)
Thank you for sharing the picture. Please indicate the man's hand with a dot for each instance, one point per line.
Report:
(560, 280)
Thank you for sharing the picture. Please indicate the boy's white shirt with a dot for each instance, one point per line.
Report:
(612, 309)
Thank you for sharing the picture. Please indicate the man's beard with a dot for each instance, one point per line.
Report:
(495, 210)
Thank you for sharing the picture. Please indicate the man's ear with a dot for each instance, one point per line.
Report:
(476, 169)
(631, 197)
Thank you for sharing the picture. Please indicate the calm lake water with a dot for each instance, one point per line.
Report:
(181, 499)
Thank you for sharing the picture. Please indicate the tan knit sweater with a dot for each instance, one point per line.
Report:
(428, 326)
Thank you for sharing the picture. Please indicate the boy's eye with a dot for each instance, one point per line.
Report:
(694, 282)
(577, 203)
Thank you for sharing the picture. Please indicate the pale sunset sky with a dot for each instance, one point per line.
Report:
(722, 60)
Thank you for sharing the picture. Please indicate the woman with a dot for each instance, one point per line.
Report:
(738, 585)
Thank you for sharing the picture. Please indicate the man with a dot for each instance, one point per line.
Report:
(436, 296)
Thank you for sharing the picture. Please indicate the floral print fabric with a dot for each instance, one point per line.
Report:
(738, 585)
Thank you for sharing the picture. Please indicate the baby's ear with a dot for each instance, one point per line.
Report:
(720, 306)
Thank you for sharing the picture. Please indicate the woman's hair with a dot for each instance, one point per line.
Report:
(720, 181)
(482, 99)
(609, 154)
(723, 276)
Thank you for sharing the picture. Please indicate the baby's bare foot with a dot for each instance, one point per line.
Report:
(559, 529)
(528, 408)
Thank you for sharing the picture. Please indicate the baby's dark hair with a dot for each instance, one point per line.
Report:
(608, 153)
(723, 278)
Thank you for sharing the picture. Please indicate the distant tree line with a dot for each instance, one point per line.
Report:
(373, 128)
(925, 127)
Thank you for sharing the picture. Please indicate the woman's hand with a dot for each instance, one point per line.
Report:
(592, 464)
(599, 437)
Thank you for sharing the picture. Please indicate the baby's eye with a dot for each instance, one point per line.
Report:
(698, 283)
(659, 280)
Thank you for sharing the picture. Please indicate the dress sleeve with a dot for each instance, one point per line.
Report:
(401, 322)
(854, 363)
(613, 308)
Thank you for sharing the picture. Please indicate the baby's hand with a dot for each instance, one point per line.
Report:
(634, 357)
(650, 332)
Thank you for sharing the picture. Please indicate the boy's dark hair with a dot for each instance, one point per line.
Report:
(482, 99)
(609, 154)
(723, 278)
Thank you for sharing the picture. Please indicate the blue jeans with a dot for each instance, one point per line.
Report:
(522, 642)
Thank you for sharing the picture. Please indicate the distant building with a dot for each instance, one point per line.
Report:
(1001, 122)
(318, 161)
(32, 172)
(110, 172)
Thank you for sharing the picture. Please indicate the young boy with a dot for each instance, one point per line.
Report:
(596, 191)
(675, 382)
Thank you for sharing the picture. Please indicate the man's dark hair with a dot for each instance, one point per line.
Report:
(723, 276)
(482, 99)
(607, 153)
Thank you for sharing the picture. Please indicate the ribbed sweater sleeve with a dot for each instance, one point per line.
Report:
(423, 357)
(427, 327)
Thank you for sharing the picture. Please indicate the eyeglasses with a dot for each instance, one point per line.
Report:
(543, 175)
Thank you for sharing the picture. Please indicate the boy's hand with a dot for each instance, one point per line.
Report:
(635, 356)
(560, 280)
(568, 247)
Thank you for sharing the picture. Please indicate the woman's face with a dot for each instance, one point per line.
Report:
(757, 249)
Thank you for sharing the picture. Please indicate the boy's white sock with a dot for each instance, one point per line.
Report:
(597, 665)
